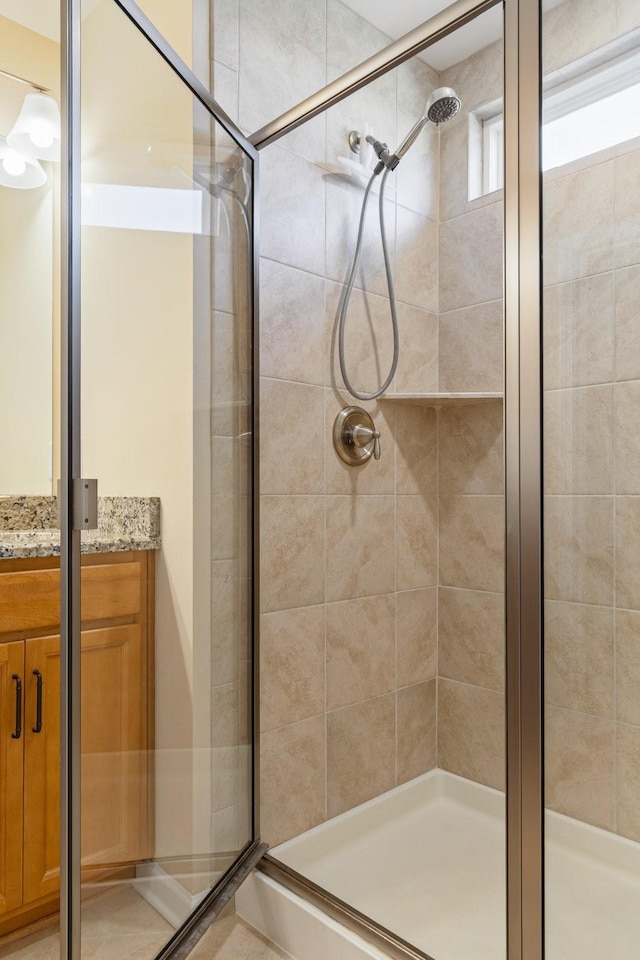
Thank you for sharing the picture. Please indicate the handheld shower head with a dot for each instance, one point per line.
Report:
(442, 105)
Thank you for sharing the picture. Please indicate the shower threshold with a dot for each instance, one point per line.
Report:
(426, 861)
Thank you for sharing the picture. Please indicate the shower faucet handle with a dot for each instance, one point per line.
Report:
(364, 435)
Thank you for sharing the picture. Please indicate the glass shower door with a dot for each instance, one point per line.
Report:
(167, 578)
(591, 380)
(29, 460)
(382, 628)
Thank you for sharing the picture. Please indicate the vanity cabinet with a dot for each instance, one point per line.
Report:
(117, 725)
(11, 780)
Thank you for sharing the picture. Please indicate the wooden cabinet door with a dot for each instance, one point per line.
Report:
(42, 771)
(114, 755)
(11, 768)
(114, 746)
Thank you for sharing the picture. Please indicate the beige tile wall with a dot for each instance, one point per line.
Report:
(592, 362)
(471, 663)
(349, 556)
(382, 625)
(592, 226)
(470, 593)
(592, 478)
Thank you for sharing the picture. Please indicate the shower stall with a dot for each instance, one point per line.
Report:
(447, 753)
(387, 654)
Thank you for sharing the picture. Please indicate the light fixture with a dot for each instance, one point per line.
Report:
(18, 170)
(36, 132)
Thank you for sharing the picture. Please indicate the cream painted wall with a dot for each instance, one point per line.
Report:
(174, 20)
(26, 282)
(138, 356)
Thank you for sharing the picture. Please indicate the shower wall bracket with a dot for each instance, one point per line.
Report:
(355, 437)
(355, 141)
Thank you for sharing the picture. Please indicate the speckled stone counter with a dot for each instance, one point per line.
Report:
(28, 526)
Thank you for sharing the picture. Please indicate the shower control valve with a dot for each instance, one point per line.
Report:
(364, 435)
(355, 437)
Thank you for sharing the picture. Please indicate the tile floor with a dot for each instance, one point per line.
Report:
(119, 925)
(230, 938)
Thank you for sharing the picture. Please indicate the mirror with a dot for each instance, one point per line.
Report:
(29, 191)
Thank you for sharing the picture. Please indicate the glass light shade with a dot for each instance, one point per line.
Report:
(18, 170)
(36, 132)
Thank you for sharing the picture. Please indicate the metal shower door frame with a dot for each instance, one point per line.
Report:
(523, 458)
(70, 469)
(523, 424)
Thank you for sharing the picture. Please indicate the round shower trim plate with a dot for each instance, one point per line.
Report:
(347, 420)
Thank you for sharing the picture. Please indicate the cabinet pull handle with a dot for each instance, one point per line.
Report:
(17, 733)
(38, 726)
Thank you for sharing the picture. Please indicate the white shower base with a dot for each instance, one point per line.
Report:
(426, 860)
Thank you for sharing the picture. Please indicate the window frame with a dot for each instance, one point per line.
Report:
(613, 69)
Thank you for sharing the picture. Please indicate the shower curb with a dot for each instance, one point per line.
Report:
(296, 926)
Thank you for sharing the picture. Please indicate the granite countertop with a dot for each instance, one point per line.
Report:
(28, 526)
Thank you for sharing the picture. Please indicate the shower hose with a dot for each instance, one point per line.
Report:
(342, 314)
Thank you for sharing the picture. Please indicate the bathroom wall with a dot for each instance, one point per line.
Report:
(592, 413)
(471, 664)
(26, 281)
(176, 21)
(592, 406)
(348, 585)
(375, 578)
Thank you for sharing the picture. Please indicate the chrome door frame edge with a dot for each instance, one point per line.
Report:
(423, 36)
(523, 503)
(523, 481)
(70, 468)
(255, 487)
(198, 922)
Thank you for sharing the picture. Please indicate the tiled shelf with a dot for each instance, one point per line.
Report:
(442, 399)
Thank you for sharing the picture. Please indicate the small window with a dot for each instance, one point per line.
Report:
(603, 123)
(492, 154)
(593, 110)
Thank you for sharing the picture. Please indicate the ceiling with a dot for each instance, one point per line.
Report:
(42, 16)
(395, 18)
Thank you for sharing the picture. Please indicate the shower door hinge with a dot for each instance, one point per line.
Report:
(85, 504)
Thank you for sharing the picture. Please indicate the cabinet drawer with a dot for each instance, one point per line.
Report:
(30, 599)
